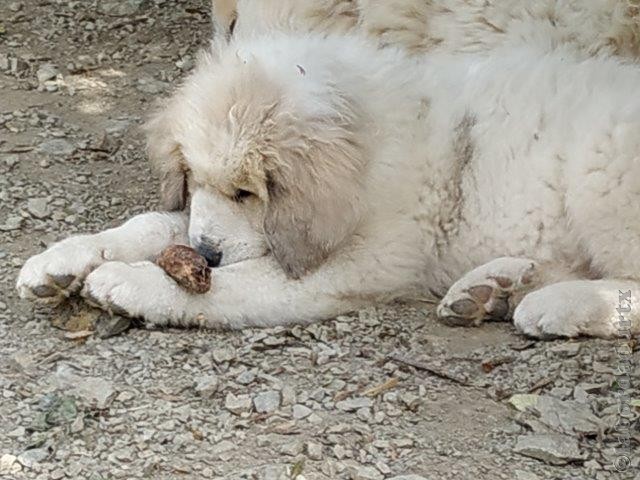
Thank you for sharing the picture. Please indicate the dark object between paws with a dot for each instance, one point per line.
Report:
(187, 267)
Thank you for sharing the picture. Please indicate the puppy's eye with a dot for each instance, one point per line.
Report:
(241, 195)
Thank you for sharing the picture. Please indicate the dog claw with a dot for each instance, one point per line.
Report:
(63, 281)
(45, 291)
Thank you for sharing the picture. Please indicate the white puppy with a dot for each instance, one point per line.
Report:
(323, 175)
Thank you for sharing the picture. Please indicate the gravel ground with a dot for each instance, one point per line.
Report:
(379, 394)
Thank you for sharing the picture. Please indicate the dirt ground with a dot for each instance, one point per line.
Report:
(383, 393)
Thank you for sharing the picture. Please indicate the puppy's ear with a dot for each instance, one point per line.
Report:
(314, 194)
(166, 159)
(224, 14)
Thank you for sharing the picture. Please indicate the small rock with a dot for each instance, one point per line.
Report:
(246, 377)
(58, 474)
(222, 355)
(565, 416)
(366, 473)
(206, 385)
(120, 8)
(38, 208)
(108, 326)
(17, 432)
(12, 223)
(301, 412)
(292, 449)
(566, 349)
(353, 404)
(314, 451)
(4, 61)
(553, 449)
(408, 477)
(56, 147)
(30, 457)
(98, 392)
(237, 404)
(46, 72)
(9, 464)
(522, 475)
(267, 402)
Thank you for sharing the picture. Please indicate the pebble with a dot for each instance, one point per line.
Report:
(46, 72)
(366, 473)
(314, 451)
(408, 477)
(237, 404)
(206, 386)
(30, 457)
(292, 449)
(267, 402)
(354, 404)
(39, 207)
(301, 412)
(9, 464)
(554, 449)
(56, 147)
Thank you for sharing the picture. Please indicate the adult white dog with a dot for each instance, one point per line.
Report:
(323, 174)
(588, 27)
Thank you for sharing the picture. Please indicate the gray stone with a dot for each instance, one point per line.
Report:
(56, 147)
(46, 72)
(292, 449)
(300, 412)
(565, 416)
(408, 477)
(554, 449)
(237, 404)
(314, 451)
(12, 223)
(354, 404)
(97, 392)
(267, 402)
(522, 475)
(206, 385)
(366, 473)
(121, 8)
(39, 208)
(9, 464)
(30, 457)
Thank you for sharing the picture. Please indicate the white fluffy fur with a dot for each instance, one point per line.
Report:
(419, 26)
(434, 167)
(375, 176)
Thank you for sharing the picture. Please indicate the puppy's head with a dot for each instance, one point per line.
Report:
(270, 156)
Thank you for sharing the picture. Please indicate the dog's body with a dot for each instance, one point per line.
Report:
(331, 175)
(587, 27)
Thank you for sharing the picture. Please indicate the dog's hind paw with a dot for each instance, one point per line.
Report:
(490, 291)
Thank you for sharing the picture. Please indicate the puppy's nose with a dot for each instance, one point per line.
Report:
(211, 254)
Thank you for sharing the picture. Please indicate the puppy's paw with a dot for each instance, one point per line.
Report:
(571, 309)
(140, 290)
(487, 292)
(58, 272)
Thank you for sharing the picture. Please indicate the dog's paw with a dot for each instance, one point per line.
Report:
(58, 272)
(571, 309)
(487, 292)
(139, 290)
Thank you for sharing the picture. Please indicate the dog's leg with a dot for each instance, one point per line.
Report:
(598, 308)
(58, 272)
(250, 293)
(490, 291)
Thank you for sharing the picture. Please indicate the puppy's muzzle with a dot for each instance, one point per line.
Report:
(209, 252)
